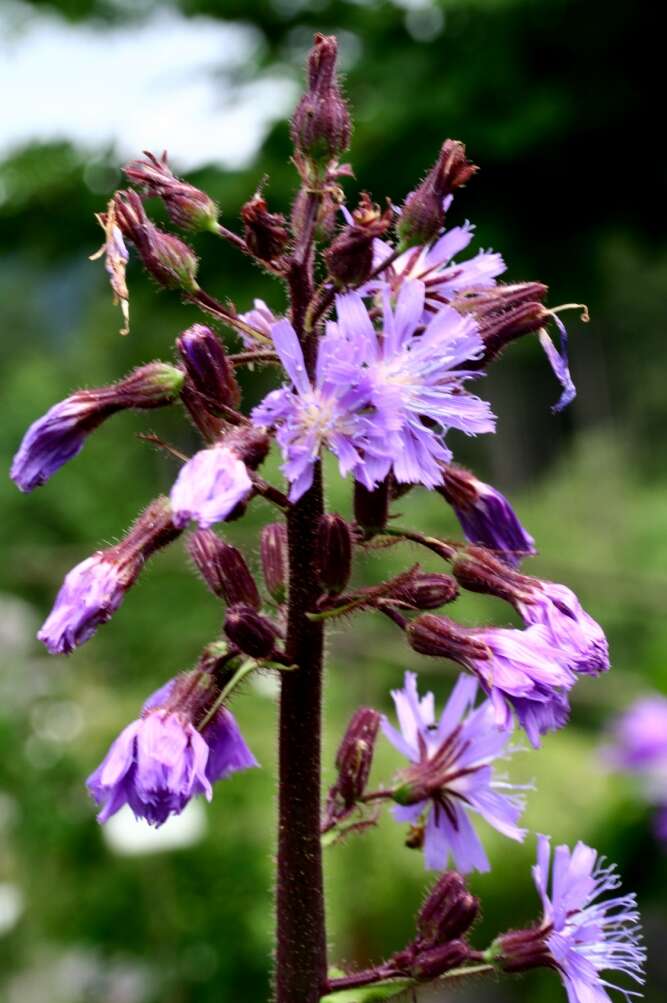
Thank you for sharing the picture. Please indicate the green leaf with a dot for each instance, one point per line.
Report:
(387, 990)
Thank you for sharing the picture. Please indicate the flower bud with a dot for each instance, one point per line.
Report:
(223, 568)
(448, 912)
(210, 372)
(435, 961)
(321, 124)
(265, 232)
(249, 443)
(60, 434)
(355, 757)
(252, 633)
(273, 552)
(477, 570)
(334, 553)
(522, 950)
(504, 313)
(350, 256)
(441, 637)
(429, 590)
(170, 261)
(188, 207)
(423, 213)
(371, 508)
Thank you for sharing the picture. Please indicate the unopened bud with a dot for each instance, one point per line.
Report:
(435, 961)
(350, 256)
(169, 260)
(250, 444)
(273, 552)
(423, 213)
(448, 912)
(429, 590)
(252, 633)
(477, 570)
(188, 207)
(522, 950)
(334, 553)
(504, 313)
(321, 124)
(371, 508)
(442, 638)
(265, 232)
(355, 757)
(210, 372)
(223, 568)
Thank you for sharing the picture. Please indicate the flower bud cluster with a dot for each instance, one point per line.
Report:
(188, 207)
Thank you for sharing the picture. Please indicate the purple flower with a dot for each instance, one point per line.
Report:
(583, 936)
(209, 487)
(558, 360)
(575, 633)
(410, 376)
(433, 266)
(89, 596)
(262, 319)
(452, 773)
(161, 761)
(640, 735)
(311, 416)
(486, 516)
(54, 439)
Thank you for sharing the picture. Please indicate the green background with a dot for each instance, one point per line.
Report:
(553, 100)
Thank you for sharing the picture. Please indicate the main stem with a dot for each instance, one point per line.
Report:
(301, 953)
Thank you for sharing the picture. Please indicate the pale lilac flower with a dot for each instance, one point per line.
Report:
(486, 516)
(209, 487)
(640, 735)
(89, 596)
(310, 416)
(575, 633)
(586, 937)
(161, 761)
(262, 319)
(452, 775)
(411, 377)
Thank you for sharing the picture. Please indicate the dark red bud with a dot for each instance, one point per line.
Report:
(169, 260)
(442, 638)
(423, 213)
(252, 633)
(249, 443)
(273, 552)
(355, 757)
(321, 125)
(435, 961)
(334, 553)
(223, 568)
(504, 313)
(350, 256)
(522, 950)
(188, 207)
(371, 508)
(209, 370)
(477, 570)
(151, 531)
(448, 912)
(265, 232)
(430, 591)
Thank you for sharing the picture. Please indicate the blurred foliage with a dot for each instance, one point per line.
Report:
(546, 96)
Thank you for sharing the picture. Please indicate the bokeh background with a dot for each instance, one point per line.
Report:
(553, 98)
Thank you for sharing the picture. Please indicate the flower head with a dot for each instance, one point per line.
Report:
(209, 487)
(451, 774)
(576, 634)
(485, 515)
(640, 735)
(520, 670)
(583, 936)
(161, 761)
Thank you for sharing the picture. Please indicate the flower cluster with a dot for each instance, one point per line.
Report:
(376, 365)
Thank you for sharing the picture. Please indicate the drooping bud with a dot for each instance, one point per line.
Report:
(440, 637)
(435, 961)
(350, 256)
(223, 568)
(188, 207)
(93, 590)
(209, 370)
(321, 125)
(485, 515)
(371, 508)
(273, 552)
(504, 313)
(429, 590)
(448, 912)
(249, 631)
(334, 553)
(265, 232)
(60, 434)
(354, 758)
(423, 213)
(169, 260)
(477, 570)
